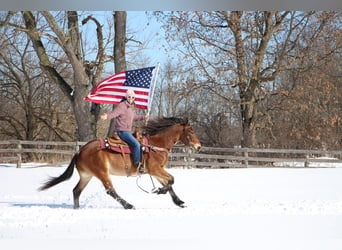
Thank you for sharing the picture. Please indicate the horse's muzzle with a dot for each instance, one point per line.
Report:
(196, 147)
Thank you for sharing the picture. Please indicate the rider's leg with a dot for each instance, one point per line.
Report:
(135, 145)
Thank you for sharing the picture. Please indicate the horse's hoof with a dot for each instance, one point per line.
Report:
(181, 204)
(129, 206)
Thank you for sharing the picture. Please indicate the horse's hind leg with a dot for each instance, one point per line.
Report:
(83, 182)
(107, 183)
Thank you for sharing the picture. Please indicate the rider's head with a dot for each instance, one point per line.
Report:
(130, 96)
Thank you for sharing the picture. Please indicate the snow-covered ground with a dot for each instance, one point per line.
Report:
(263, 208)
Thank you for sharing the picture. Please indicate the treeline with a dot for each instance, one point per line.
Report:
(251, 79)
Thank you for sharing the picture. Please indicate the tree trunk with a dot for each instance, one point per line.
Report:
(97, 66)
(120, 41)
(85, 121)
(119, 49)
(248, 104)
(248, 108)
(75, 95)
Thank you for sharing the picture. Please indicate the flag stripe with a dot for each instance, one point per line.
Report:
(121, 90)
(113, 88)
(112, 100)
(118, 97)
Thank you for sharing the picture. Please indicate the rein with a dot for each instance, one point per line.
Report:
(155, 148)
(154, 186)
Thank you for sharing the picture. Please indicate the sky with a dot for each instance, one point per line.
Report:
(148, 29)
(170, 5)
(140, 27)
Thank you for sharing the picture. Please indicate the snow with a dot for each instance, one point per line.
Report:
(253, 208)
(317, 162)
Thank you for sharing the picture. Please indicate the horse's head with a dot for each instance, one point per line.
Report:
(189, 138)
(166, 131)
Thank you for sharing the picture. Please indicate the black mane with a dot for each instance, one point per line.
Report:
(158, 124)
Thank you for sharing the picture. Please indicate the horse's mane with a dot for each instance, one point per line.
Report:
(157, 125)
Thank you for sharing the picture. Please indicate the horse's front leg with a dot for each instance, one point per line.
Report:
(167, 181)
(175, 198)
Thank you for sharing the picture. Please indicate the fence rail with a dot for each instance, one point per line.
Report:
(22, 151)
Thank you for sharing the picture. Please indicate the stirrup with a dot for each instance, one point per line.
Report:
(141, 168)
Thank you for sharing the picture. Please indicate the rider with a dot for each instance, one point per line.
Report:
(125, 115)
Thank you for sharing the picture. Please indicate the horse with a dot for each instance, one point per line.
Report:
(162, 133)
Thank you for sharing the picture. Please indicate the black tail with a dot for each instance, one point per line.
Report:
(63, 177)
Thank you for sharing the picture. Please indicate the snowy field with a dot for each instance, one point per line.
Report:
(256, 208)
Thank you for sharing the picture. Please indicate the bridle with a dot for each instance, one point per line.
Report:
(186, 136)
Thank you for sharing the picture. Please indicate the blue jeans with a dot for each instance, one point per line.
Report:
(133, 143)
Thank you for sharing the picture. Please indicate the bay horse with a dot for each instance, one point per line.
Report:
(91, 160)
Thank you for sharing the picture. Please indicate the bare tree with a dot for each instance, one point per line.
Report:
(310, 115)
(63, 55)
(69, 42)
(239, 55)
(79, 88)
(30, 106)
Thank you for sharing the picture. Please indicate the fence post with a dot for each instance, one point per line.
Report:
(188, 158)
(306, 163)
(245, 154)
(19, 147)
(77, 146)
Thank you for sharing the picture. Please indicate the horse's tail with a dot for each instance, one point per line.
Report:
(63, 177)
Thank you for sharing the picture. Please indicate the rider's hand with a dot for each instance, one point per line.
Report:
(104, 116)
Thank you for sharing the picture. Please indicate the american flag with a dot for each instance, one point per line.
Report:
(112, 89)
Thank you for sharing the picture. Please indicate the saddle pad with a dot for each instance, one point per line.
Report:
(107, 143)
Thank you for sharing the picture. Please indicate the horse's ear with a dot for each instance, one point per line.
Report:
(186, 121)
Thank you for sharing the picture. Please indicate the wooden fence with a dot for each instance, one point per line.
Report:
(23, 151)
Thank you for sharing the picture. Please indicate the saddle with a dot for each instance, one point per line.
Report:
(115, 144)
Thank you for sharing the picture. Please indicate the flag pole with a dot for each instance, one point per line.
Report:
(153, 88)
